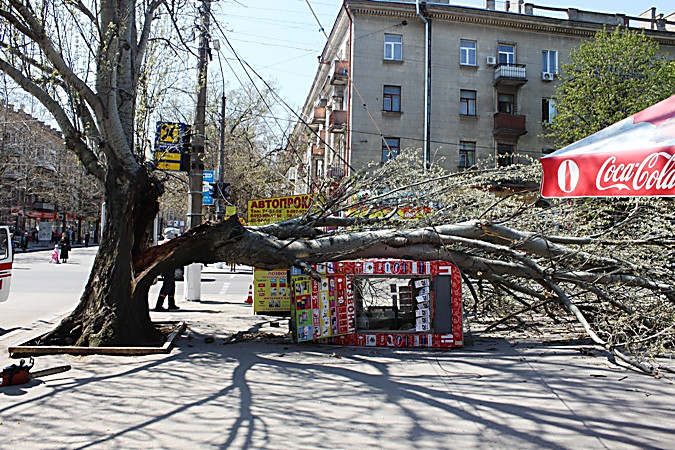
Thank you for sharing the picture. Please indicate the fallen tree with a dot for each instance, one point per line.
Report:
(605, 263)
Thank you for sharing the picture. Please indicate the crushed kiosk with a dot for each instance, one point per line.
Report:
(379, 303)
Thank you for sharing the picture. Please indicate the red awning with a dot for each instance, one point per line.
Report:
(632, 158)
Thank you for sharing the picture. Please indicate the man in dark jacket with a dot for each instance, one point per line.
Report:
(168, 289)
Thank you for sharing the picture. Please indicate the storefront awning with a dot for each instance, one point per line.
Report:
(632, 158)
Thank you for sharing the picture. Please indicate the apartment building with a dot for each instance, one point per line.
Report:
(39, 180)
(456, 83)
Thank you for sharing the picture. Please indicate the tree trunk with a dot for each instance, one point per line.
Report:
(113, 310)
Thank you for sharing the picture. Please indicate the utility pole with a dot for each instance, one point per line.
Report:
(193, 274)
(221, 162)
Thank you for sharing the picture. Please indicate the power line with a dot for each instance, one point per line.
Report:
(243, 62)
(255, 87)
(353, 85)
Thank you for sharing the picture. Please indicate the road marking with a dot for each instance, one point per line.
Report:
(225, 288)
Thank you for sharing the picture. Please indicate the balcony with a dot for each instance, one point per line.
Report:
(337, 121)
(338, 72)
(336, 172)
(509, 125)
(321, 138)
(510, 75)
(319, 115)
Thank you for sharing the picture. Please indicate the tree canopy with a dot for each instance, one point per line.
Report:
(608, 78)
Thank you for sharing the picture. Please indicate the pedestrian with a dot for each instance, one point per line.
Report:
(168, 289)
(233, 267)
(55, 255)
(64, 245)
(24, 241)
(87, 236)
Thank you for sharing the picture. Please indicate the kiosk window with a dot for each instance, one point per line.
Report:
(387, 303)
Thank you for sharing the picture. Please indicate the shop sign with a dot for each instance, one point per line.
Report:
(277, 209)
(42, 215)
(404, 213)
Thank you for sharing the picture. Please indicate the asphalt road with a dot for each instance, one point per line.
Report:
(42, 293)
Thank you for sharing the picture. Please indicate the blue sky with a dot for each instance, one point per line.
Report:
(281, 40)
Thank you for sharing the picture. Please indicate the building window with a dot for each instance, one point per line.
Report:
(505, 103)
(548, 110)
(549, 60)
(467, 154)
(507, 54)
(467, 53)
(391, 98)
(393, 47)
(504, 155)
(390, 148)
(467, 103)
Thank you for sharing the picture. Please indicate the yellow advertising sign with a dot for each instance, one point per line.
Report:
(405, 213)
(169, 133)
(167, 156)
(168, 166)
(271, 291)
(277, 209)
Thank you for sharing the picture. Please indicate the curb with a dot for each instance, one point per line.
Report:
(42, 350)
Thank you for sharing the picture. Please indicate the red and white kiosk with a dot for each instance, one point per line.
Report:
(379, 303)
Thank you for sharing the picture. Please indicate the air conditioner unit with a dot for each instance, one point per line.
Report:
(491, 61)
(547, 76)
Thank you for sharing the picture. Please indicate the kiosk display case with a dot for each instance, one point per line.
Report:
(379, 302)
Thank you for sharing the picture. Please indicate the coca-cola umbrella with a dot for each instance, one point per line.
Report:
(632, 158)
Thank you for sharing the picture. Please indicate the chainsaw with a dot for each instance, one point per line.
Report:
(20, 374)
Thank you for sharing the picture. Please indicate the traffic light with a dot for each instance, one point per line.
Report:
(185, 151)
(187, 140)
(224, 190)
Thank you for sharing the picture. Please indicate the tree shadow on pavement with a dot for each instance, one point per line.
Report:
(267, 392)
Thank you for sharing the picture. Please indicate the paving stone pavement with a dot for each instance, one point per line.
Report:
(262, 391)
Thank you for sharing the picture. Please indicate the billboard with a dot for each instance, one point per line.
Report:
(271, 292)
(277, 209)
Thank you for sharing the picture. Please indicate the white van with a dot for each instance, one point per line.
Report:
(6, 259)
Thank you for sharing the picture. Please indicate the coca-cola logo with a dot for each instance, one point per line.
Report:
(568, 176)
(655, 171)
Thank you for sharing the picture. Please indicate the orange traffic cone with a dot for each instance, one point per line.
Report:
(250, 294)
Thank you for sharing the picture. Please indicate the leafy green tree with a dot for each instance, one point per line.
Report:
(609, 78)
